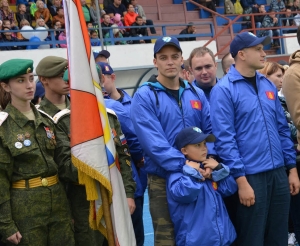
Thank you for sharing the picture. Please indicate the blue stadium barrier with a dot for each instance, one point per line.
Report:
(53, 42)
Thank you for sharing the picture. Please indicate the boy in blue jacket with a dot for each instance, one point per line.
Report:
(195, 203)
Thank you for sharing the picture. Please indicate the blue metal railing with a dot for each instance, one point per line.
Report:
(112, 40)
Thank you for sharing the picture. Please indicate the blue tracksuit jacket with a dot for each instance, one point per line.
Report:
(251, 130)
(158, 117)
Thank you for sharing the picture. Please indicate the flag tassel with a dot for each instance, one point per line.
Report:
(107, 217)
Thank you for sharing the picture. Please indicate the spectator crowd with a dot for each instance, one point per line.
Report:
(113, 18)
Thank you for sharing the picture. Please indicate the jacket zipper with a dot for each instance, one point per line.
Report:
(266, 128)
(217, 210)
(265, 122)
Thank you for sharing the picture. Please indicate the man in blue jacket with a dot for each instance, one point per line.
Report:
(204, 68)
(253, 139)
(159, 110)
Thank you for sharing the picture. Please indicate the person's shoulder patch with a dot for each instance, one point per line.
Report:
(60, 114)
(270, 95)
(44, 113)
(3, 117)
(196, 104)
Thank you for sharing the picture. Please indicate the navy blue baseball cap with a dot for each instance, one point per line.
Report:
(246, 40)
(192, 135)
(105, 68)
(164, 41)
(104, 53)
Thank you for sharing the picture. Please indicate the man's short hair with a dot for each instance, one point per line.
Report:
(225, 62)
(190, 24)
(186, 65)
(104, 16)
(138, 17)
(201, 51)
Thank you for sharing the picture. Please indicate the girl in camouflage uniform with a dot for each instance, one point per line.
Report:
(33, 205)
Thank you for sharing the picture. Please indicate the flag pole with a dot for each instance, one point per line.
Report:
(99, 25)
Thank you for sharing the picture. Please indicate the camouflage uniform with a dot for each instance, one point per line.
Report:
(41, 214)
(84, 235)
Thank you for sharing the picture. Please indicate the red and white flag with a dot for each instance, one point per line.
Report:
(92, 145)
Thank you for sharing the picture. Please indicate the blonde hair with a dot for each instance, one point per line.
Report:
(271, 68)
(38, 2)
(115, 30)
(8, 8)
(24, 22)
(38, 25)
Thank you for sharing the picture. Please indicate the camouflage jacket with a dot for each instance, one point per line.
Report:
(267, 22)
(19, 161)
(123, 154)
(64, 146)
(66, 170)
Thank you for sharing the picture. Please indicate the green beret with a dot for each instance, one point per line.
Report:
(51, 66)
(66, 75)
(15, 67)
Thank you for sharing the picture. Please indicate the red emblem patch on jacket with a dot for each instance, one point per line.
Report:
(214, 185)
(270, 95)
(196, 104)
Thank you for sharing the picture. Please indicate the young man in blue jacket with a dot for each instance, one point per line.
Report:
(196, 205)
(253, 139)
(159, 110)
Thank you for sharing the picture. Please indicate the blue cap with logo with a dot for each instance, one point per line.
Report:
(246, 40)
(164, 41)
(105, 68)
(192, 135)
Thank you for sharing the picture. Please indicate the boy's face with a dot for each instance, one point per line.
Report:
(195, 152)
(90, 25)
(6, 24)
(94, 35)
(41, 22)
(22, 8)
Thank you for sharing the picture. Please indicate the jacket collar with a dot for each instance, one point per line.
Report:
(235, 76)
(50, 108)
(21, 120)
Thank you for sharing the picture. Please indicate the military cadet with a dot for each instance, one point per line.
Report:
(54, 76)
(33, 205)
(57, 105)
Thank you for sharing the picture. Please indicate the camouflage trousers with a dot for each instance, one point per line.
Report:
(84, 235)
(42, 216)
(162, 224)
